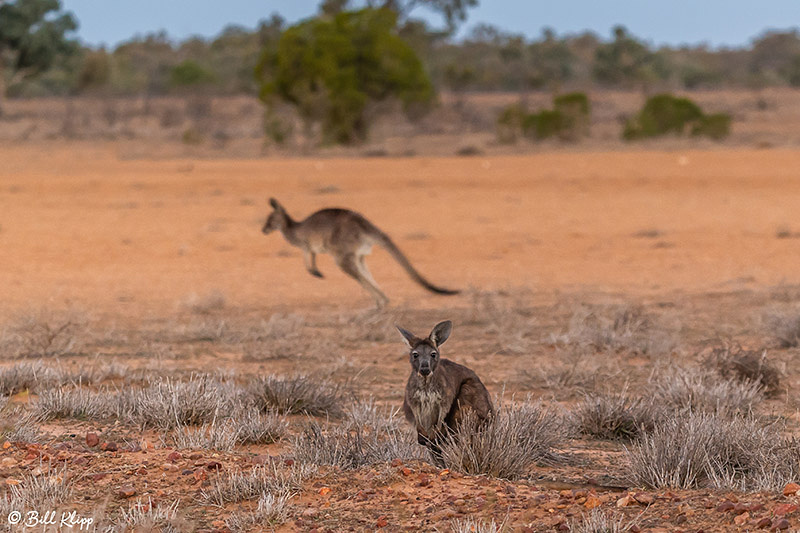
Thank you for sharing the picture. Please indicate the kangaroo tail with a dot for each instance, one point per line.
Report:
(392, 248)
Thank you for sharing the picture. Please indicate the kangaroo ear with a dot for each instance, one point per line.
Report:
(440, 332)
(409, 337)
(274, 203)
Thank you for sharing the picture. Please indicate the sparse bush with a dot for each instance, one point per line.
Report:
(297, 395)
(507, 444)
(701, 450)
(736, 363)
(254, 427)
(166, 403)
(35, 493)
(352, 445)
(701, 391)
(716, 126)
(475, 525)
(598, 521)
(618, 328)
(272, 510)
(247, 485)
(616, 416)
(507, 316)
(75, 403)
(783, 325)
(206, 303)
(220, 437)
(190, 73)
(45, 334)
(665, 114)
(568, 120)
(150, 516)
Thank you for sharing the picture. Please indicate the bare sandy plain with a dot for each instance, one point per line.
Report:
(164, 267)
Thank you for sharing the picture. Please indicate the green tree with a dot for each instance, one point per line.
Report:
(453, 11)
(190, 73)
(33, 34)
(331, 68)
(626, 61)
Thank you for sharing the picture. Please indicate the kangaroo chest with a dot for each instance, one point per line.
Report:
(428, 408)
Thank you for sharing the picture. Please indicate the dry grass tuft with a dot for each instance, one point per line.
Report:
(598, 521)
(250, 484)
(205, 304)
(507, 444)
(150, 516)
(703, 391)
(507, 317)
(783, 326)
(736, 363)
(45, 334)
(366, 437)
(272, 510)
(254, 427)
(36, 493)
(220, 437)
(298, 395)
(702, 450)
(618, 328)
(475, 525)
(616, 416)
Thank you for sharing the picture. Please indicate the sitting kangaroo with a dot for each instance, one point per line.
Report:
(347, 236)
(439, 392)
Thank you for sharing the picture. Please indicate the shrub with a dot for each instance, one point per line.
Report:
(616, 416)
(575, 114)
(701, 449)
(783, 325)
(701, 391)
(190, 73)
(297, 395)
(735, 363)
(666, 114)
(716, 126)
(507, 444)
(568, 120)
(239, 486)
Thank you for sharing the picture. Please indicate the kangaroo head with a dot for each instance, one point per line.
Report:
(424, 354)
(277, 219)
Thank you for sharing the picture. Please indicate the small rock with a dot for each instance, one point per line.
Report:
(92, 440)
(127, 492)
(781, 524)
(167, 467)
(175, 457)
(406, 472)
(725, 506)
(592, 502)
(200, 474)
(195, 456)
(397, 462)
(109, 446)
(625, 501)
(741, 518)
(764, 522)
(643, 498)
(214, 465)
(289, 462)
(791, 489)
(382, 522)
(187, 472)
(98, 477)
(784, 509)
(8, 462)
(635, 529)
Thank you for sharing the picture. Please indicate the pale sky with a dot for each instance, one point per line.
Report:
(716, 22)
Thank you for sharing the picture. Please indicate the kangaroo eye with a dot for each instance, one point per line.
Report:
(415, 354)
(433, 354)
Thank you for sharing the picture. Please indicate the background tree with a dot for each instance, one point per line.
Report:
(33, 33)
(331, 68)
(627, 62)
(453, 11)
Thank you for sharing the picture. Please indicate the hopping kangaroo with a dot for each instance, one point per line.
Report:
(439, 392)
(347, 236)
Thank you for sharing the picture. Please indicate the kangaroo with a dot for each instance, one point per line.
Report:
(347, 236)
(439, 392)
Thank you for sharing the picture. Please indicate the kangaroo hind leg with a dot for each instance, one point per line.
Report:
(354, 267)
